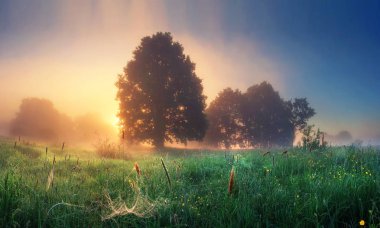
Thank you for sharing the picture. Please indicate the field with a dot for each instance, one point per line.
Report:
(338, 187)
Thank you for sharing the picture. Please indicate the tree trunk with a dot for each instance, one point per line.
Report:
(158, 108)
(159, 128)
(158, 143)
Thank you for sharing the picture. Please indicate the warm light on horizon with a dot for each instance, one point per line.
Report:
(74, 57)
(115, 122)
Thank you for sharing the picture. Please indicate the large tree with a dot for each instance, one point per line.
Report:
(160, 96)
(258, 117)
(226, 126)
(267, 117)
(301, 113)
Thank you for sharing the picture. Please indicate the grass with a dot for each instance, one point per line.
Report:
(336, 187)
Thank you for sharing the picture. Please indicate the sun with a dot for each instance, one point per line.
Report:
(115, 122)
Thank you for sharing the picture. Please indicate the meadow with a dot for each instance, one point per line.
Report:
(70, 187)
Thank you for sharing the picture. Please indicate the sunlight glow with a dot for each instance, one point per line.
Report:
(115, 122)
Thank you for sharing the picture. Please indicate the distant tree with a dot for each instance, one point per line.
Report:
(259, 117)
(343, 137)
(160, 96)
(301, 113)
(267, 117)
(38, 119)
(226, 127)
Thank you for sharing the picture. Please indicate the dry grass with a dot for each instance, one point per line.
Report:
(105, 148)
(50, 179)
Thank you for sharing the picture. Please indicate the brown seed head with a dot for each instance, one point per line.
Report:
(266, 153)
(137, 168)
(231, 182)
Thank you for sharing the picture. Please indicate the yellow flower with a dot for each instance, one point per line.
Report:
(362, 222)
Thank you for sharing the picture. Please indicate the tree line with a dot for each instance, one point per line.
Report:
(258, 117)
(161, 100)
(38, 119)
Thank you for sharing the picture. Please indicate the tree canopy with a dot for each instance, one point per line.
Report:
(160, 96)
(258, 117)
(301, 112)
(267, 118)
(38, 119)
(226, 127)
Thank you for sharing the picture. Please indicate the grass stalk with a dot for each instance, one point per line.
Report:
(166, 172)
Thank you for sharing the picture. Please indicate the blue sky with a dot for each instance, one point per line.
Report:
(327, 51)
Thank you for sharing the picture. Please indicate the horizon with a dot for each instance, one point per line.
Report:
(72, 53)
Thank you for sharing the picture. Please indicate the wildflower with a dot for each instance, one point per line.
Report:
(362, 222)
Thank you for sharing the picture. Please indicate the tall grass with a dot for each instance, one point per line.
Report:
(334, 187)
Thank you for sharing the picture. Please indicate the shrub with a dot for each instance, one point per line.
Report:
(105, 148)
(313, 139)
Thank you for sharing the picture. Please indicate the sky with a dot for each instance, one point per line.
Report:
(71, 52)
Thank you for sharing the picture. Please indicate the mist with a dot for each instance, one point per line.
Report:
(38, 120)
(74, 52)
(71, 54)
(343, 137)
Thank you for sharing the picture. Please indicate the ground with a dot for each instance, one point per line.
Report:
(337, 186)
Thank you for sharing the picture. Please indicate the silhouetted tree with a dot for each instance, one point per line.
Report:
(301, 113)
(38, 119)
(259, 117)
(226, 127)
(160, 96)
(267, 117)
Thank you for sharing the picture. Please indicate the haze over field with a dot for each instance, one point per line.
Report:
(71, 54)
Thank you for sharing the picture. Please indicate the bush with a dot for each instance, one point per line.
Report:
(106, 148)
(313, 139)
